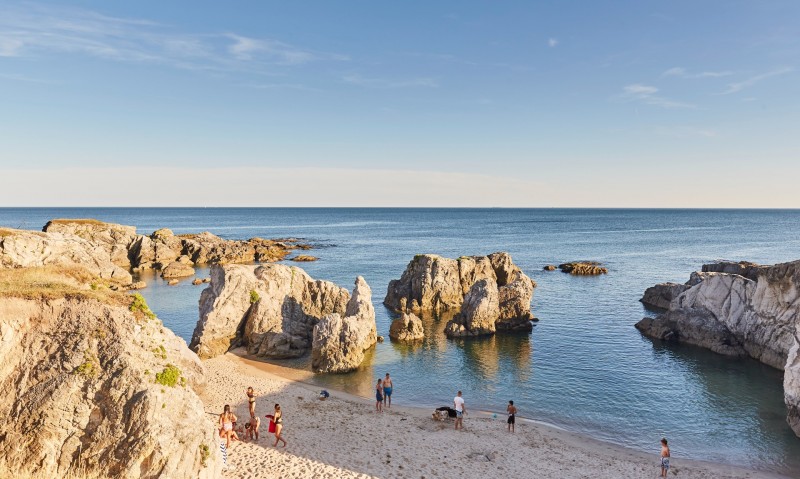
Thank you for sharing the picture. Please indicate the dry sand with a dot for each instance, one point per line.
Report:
(343, 437)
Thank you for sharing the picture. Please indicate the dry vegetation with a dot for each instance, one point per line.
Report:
(11, 232)
(51, 282)
(79, 221)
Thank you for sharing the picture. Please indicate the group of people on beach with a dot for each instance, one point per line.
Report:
(229, 431)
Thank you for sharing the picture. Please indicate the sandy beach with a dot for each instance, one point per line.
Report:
(343, 437)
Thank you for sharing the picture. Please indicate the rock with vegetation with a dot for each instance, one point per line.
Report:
(176, 269)
(26, 249)
(340, 341)
(95, 384)
(271, 309)
(408, 327)
(583, 268)
(114, 238)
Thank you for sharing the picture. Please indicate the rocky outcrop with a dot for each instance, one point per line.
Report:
(408, 327)
(661, 295)
(339, 343)
(742, 268)
(550, 267)
(304, 258)
(791, 383)
(115, 239)
(583, 268)
(27, 249)
(93, 384)
(480, 310)
(176, 269)
(736, 315)
(271, 309)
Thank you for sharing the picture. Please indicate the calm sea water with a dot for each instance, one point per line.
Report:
(584, 367)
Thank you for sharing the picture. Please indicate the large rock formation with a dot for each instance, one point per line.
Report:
(114, 238)
(791, 383)
(433, 284)
(27, 249)
(271, 309)
(736, 315)
(92, 383)
(408, 327)
(339, 343)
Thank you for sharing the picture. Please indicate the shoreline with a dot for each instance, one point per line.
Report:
(556, 452)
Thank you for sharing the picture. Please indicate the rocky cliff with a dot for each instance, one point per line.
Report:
(433, 284)
(92, 383)
(271, 309)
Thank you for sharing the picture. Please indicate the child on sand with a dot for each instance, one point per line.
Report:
(379, 396)
(252, 428)
(664, 457)
(512, 415)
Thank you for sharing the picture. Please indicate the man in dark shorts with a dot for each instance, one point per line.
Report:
(512, 415)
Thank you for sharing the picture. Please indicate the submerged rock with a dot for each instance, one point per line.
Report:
(550, 267)
(95, 383)
(408, 327)
(304, 258)
(339, 342)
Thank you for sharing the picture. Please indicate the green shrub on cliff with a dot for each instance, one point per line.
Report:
(169, 376)
(254, 297)
(138, 304)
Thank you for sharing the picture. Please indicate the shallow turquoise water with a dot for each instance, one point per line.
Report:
(584, 367)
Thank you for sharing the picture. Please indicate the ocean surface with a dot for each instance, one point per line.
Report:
(584, 367)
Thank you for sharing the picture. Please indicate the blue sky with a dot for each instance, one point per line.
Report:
(514, 103)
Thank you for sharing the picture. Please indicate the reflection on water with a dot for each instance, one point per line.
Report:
(590, 369)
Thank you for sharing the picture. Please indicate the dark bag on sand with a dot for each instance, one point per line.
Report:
(450, 411)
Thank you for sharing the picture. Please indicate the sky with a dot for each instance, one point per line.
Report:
(628, 103)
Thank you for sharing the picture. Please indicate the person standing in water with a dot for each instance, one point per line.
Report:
(458, 405)
(387, 391)
(379, 396)
(512, 415)
(664, 457)
(277, 418)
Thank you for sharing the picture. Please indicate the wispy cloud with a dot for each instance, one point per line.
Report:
(681, 72)
(31, 30)
(648, 95)
(739, 86)
(552, 42)
(423, 82)
(26, 79)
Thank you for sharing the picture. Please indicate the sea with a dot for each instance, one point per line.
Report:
(584, 367)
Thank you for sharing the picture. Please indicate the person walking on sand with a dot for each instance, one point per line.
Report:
(379, 396)
(512, 415)
(251, 400)
(387, 391)
(461, 409)
(277, 418)
(226, 421)
(664, 457)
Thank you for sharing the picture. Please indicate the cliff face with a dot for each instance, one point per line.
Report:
(87, 382)
(272, 309)
(741, 309)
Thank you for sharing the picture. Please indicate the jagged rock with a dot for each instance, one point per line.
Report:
(742, 268)
(177, 269)
(78, 377)
(173, 282)
(138, 285)
(210, 248)
(583, 268)
(732, 314)
(662, 294)
(515, 304)
(791, 382)
(339, 342)
(157, 250)
(197, 281)
(26, 249)
(407, 327)
(480, 310)
(550, 267)
(304, 258)
(114, 238)
(272, 309)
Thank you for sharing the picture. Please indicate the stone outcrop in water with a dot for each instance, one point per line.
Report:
(339, 342)
(177, 269)
(583, 268)
(432, 284)
(27, 249)
(271, 309)
(408, 327)
(661, 295)
(92, 383)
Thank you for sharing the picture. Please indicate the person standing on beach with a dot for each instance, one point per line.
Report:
(277, 418)
(461, 409)
(251, 400)
(512, 415)
(664, 457)
(387, 391)
(379, 396)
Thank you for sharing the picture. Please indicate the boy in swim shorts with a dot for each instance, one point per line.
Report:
(387, 391)
(664, 457)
